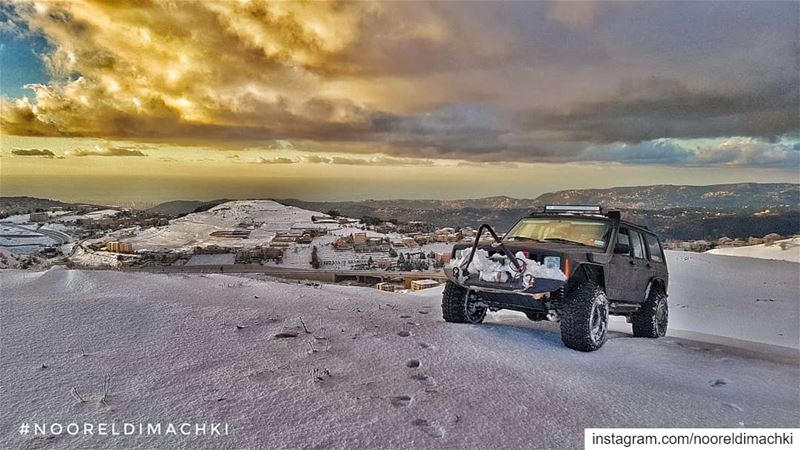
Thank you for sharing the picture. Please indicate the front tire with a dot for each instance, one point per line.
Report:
(458, 307)
(653, 317)
(584, 317)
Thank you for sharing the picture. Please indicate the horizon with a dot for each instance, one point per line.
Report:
(399, 199)
(109, 103)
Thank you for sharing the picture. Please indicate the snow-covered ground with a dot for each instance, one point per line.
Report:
(185, 233)
(785, 250)
(374, 370)
(264, 219)
(748, 299)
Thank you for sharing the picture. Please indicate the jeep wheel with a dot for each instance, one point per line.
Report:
(458, 307)
(584, 317)
(652, 318)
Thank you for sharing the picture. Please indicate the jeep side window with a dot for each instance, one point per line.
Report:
(653, 248)
(622, 237)
(636, 244)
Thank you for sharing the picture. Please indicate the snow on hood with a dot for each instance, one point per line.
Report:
(497, 268)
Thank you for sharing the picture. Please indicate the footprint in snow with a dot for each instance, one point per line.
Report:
(404, 334)
(413, 364)
(425, 345)
(422, 312)
(405, 317)
(734, 406)
(719, 382)
(400, 401)
(427, 382)
(429, 428)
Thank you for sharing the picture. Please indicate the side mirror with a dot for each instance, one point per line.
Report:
(622, 249)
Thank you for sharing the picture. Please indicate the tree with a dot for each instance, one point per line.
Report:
(314, 258)
(333, 213)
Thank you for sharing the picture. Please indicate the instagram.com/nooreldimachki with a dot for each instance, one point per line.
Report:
(125, 429)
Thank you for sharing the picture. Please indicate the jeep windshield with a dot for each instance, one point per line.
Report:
(590, 233)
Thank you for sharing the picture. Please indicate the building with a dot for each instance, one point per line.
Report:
(359, 238)
(342, 244)
(119, 247)
(418, 285)
(443, 258)
(410, 242)
(385, 286)
(38, 217)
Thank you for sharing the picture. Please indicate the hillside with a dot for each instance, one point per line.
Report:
(375, 369)
(177, 208)
(783, 250)
(676, 212)
(754, 196)
(10, 206)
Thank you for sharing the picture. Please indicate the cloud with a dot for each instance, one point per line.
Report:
(345, 160)
(517, 81)
(105, 151)
(280, 160)
(33, 152)
(572, 13)
(374, 161)
(734, 152)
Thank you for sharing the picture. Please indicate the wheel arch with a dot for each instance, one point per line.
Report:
(656, 283)
(588, 271)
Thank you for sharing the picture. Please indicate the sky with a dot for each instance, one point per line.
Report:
(158, 100)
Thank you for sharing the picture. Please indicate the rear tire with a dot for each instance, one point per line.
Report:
(584, 317)
(457, 307)
(653, 317)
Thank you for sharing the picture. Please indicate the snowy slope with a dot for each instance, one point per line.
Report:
(785, 250)
(195, 229)
(377, 370)
(749, 299)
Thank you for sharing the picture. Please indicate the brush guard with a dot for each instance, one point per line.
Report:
(519, 282)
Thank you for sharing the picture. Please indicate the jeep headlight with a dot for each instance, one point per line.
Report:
(552, 262)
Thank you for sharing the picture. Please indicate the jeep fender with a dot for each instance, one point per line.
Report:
(588, 271)
(655, 282)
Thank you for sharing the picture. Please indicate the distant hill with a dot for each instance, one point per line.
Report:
(10, 206)
(177, 208)
(679, 212)
(740, 195)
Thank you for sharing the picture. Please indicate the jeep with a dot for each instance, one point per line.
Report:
(604, 266)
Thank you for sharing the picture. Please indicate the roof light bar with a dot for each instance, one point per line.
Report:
(573, 208)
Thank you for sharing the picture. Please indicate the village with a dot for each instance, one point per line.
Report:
(256, 236)
(268, 235)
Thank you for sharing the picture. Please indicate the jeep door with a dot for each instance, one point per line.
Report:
(628, 275)
(642, 268)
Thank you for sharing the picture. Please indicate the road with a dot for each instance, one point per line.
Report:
(310, 274)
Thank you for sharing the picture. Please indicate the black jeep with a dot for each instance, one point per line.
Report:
(604, 266)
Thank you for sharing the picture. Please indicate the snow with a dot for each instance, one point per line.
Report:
(375, 370)
(747, 299)
(202, 260)
(785, 250)
(497, 269)
(187, 232)
(264, 219)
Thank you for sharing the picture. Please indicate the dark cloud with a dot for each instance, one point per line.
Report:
(649, 109)
(526, 81)
(33, 152)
